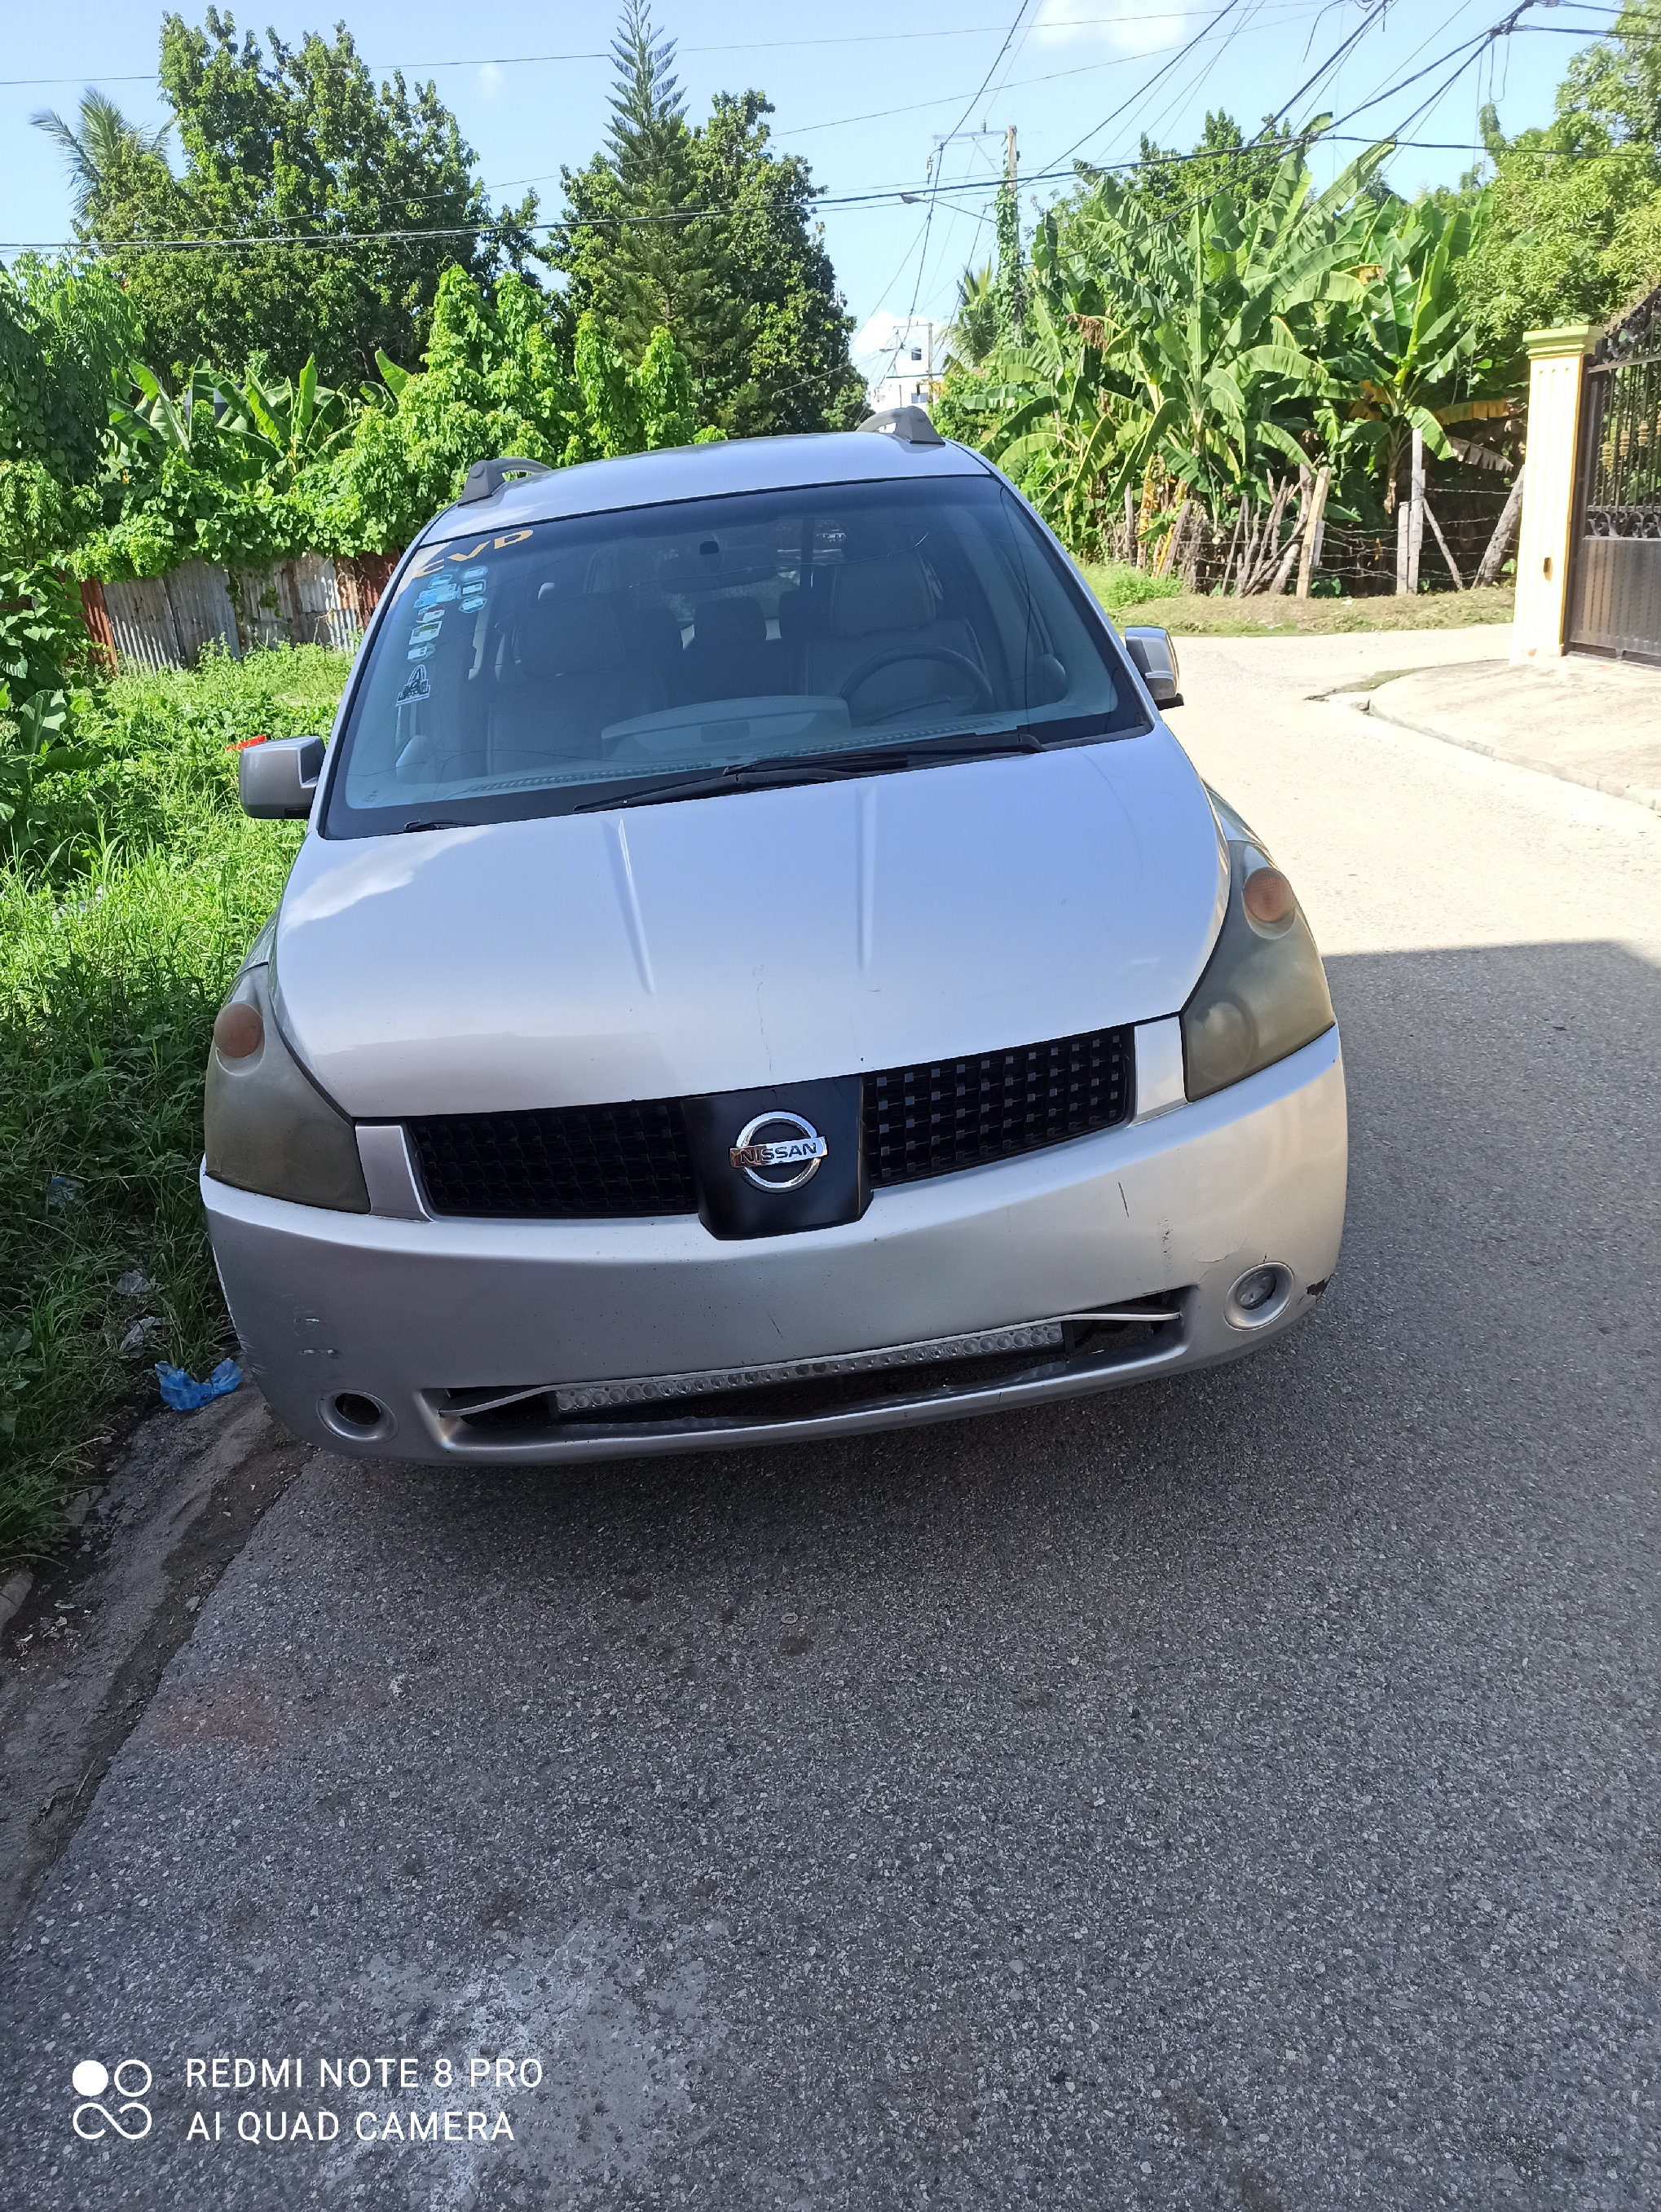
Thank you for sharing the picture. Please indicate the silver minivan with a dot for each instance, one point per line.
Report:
(758, 967)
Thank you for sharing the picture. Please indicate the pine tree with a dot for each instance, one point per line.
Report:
(641, 253)
(707, 233)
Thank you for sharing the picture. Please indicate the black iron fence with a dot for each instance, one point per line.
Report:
(1615, 575)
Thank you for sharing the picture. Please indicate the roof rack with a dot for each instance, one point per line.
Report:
(485, 477)
(910, 425)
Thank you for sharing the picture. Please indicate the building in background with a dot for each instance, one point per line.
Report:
(896, 355)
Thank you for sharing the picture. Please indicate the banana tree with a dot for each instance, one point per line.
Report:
(1412, 358)
(1181, 360)
(145, 417)
(244, 434)
(276, 430)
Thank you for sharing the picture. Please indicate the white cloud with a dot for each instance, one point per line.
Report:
(1134, 27)
(491, 78)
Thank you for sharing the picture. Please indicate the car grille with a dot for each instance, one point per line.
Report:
(589, 1162)
(569, 1162)
(950, 1114)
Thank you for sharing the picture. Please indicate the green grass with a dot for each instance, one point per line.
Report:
(110, 977)
(1131, 596)
(1118, 585)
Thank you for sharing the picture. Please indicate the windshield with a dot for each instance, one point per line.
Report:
(538, 669)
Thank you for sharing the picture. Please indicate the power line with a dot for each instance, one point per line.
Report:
(1096, 129)
(1504, 28)
(737, 47)
(939, 164)
(886, 196)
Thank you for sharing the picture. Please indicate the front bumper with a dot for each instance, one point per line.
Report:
(416, 1314)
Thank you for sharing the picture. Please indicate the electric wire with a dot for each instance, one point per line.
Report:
(939, 164)
(734, 47)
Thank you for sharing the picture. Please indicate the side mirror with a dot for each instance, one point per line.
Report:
(278, 781)
(1156, 657)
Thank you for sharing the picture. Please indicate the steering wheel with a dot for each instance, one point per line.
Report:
(985, 697)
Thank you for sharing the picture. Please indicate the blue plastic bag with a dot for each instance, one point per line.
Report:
(185, 1396)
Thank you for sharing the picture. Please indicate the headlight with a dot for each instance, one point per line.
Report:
(1264, 993)
(269, 1128)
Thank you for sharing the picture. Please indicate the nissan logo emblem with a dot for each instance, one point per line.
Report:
(779, 1150)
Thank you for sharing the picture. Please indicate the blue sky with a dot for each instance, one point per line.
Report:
(864, 92)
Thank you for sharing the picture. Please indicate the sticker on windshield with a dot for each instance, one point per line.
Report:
(415, 686)
(425, 632)
(418, 652)
(438, 594)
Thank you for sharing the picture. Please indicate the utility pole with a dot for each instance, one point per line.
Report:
(1416, 510)
(1011, 287)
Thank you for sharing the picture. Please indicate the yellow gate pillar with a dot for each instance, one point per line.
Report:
(1557, 363)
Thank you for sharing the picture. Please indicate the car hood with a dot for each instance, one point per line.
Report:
(764, 937)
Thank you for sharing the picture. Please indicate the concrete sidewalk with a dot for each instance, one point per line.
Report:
(1589, 722)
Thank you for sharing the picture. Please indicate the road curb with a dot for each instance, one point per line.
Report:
(1640, 794)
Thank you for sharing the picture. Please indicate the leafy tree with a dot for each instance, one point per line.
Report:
(1574, 231)
(790, 370)
(104, 146)
(707, 233)
(1222, 161)
(498, 380)
(63, 329)
(302, 145)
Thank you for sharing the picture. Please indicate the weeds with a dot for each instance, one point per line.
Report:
(113, 963)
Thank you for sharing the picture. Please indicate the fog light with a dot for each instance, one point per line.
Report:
(1259, 1295)
(357, 1416)
(1268, 898)
(238, 1031)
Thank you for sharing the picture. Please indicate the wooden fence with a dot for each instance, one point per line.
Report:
(165, 622)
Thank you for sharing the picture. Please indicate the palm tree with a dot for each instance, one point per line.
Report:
(973, 331)
(94, 151)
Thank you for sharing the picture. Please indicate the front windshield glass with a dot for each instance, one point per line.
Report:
(531, 671)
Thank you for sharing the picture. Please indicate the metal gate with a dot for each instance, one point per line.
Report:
(1615, 556)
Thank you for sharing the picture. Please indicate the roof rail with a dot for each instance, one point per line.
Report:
(487, 477)
(910, 425)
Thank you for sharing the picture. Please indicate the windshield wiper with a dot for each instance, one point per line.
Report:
(411, 828)
(777, 770)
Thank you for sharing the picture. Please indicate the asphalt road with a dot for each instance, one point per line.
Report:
(1238, 1792)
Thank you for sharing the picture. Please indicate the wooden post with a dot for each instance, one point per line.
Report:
(1436, 529)
(1487, 568)
(1220, 591)
(1307, 552)
(1400, 545)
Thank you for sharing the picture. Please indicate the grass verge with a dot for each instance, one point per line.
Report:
(109, 983)
(1186, 614)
